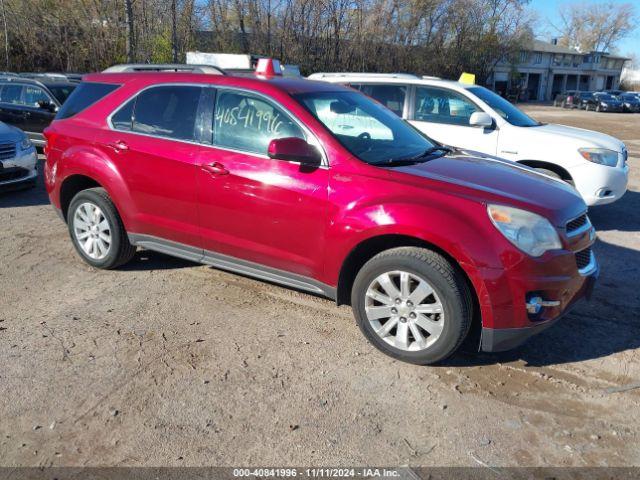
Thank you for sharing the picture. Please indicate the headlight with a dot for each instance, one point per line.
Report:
(602, 104)
(600, 155)
(26, 143)
(528, 231)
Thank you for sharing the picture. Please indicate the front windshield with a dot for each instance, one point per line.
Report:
(504, 108)
(365, 128)
(604, 96)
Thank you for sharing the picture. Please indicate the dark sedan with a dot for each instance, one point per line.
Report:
(603, 102)
(630, 102)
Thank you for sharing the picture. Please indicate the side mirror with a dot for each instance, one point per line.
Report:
(481, 119)
(47, 105)
(294, 149)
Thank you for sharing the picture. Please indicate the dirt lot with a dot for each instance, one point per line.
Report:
(165, 362)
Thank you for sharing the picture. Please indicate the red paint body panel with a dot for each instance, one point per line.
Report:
(307, 220)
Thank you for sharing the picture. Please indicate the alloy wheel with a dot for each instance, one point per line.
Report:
(92, 230)
(404, 310)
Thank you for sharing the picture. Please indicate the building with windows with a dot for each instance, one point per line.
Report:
(547, 69)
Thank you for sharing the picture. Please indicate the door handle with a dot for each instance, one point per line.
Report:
(215, 168)
(118, 146)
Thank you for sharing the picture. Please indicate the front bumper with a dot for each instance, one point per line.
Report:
(600, 184)
(502, 339)
(20, 169)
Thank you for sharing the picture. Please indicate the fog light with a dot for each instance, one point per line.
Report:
(603, 193)
(536, 304)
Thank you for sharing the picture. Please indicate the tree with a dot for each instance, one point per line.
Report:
(595, 26)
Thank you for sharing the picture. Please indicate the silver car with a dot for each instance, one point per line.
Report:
(18, 158)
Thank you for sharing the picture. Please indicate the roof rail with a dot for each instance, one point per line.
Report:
(359, 74)
(164, 67)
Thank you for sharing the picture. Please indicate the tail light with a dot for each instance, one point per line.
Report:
(49, 139)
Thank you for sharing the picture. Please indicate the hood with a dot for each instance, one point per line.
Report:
(9, 133)
(502, 181)
(583, 138)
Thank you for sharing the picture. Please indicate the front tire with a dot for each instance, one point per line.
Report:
(97, 231)
(412, 304)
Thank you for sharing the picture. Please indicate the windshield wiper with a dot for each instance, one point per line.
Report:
(428, 154)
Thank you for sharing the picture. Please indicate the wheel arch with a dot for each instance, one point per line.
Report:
(367, 249)
(554, 167)
(71, 186)
(85, 167)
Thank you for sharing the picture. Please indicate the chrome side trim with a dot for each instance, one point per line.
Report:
(233, 264)
(591, 267)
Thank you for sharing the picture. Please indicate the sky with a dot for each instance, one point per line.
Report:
(548, 9)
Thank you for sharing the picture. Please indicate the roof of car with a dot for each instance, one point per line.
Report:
(390, 78)
(47, 82)
(291, 85)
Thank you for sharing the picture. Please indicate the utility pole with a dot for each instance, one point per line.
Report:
(6, 35)
(174, 32)
(131, 34)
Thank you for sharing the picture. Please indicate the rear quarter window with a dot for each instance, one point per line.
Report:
(85, 95)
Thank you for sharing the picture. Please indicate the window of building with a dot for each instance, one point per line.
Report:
(168, 111)
(538, 58)
(248, 123)
(524, 56)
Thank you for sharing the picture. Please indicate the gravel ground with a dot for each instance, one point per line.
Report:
(165, 362)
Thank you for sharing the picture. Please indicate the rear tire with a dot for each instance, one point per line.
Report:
(412, 304)
(97, 231)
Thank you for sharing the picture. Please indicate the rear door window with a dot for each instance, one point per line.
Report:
(168, 111)
(391, 96)
(123, 118)
(85, 95)
(11, 94)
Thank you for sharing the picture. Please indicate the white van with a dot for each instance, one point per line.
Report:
(474, 118)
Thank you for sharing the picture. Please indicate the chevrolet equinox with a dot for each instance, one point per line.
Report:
(317, 187)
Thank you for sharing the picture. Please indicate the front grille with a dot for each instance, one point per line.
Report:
(7, 150)
(583, 258)
(13, 173)
(576, 223)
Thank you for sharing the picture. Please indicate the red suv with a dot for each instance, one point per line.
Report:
(316, 187)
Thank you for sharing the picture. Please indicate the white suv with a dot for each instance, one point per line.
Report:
(474, 118)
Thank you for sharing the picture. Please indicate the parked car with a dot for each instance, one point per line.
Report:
(566, 99)
(260, 176)
(474, 118)
(31, 104)
(630, 102)
(603, 102)
(582, 98)
(18, 159)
